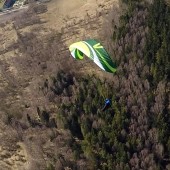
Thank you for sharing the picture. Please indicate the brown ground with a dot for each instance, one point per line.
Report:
(70, 20)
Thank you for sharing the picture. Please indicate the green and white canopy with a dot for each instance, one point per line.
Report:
(95, 51)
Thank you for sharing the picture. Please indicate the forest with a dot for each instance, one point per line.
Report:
(71, 130)
(133, 133)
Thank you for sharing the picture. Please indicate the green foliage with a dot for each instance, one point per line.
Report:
(77, 150)
(96, 142)
(157, 54)
(103, 137)
(50, 167)
(121, 31)
(158, 40)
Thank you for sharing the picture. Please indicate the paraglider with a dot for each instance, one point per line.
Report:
(107, 104)
(95, 51)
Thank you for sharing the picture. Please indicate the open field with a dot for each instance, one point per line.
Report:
(33, 47)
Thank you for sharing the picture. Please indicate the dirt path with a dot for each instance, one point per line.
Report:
(9, 15)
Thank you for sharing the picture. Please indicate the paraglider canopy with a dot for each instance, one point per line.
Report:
(95, 51)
